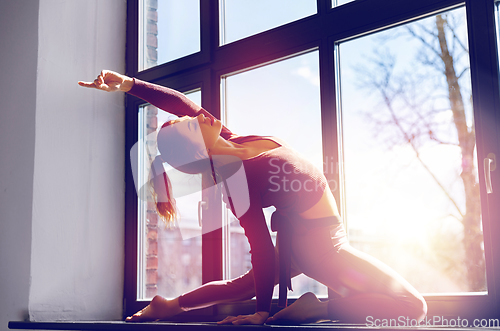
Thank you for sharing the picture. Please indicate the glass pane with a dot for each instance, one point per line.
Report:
(336, 3)
(275, 100)
(410, 179)
(169, 257)
(241, 19)
(497, 21)
(169, 29)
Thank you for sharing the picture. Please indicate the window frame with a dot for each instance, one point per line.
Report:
(321, 31)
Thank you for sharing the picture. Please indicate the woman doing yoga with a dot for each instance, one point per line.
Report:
(311, 237)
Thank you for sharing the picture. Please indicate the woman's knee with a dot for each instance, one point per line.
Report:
(417, 310)
(244, 285)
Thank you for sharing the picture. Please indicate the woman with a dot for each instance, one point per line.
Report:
(306, 216)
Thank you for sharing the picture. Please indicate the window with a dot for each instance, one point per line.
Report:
(376, 106)
(284, 92)
(411, 179)
(166, 252)
(168, 30)
(340, 2)
(239, 20)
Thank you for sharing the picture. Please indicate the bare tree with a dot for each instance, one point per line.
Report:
(410, 103)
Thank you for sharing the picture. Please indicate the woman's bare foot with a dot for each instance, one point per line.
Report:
(159, 309)
(307, 309)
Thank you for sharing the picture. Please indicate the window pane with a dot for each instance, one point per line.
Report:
(275, 100)
(169, 258)
(411, 186)
(241, 19)
(169, 29)
(497, 19)
(336, 3)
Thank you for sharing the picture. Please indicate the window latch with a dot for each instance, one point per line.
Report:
(202, 205)
(490, 165)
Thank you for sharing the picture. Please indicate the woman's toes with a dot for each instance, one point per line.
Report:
(306, 309)
(159, 308)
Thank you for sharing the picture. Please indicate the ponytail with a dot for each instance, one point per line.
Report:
(161, 190)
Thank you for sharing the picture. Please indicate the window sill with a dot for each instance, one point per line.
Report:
(205, 326)
(154, 326)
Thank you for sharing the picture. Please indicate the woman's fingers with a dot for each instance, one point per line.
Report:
(100, 85)
(97, 84)
(109, 81)
(86, 84)
(244, 319)
(108, 73)
(241, 320)
(227, 320)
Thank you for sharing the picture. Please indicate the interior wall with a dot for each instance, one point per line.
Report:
(61, 161)
(78, 183)
(18, 62)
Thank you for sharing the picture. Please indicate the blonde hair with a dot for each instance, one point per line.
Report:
(161, 190)
(182, 154)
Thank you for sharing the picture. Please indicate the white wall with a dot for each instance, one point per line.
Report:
(61, 161)
(18, 61)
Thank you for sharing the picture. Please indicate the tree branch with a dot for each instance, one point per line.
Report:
(409, 139)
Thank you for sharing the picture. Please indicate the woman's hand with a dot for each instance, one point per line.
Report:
(110, 81)
(259, 317)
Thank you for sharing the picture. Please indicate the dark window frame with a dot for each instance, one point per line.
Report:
(321, 31)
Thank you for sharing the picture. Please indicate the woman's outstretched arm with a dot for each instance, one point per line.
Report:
(162, 97)
(166, 98)
(159, 96)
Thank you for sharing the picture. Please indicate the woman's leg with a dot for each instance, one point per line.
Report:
(374, 291)
(222, 291)
(238, 289)
(367, 287)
